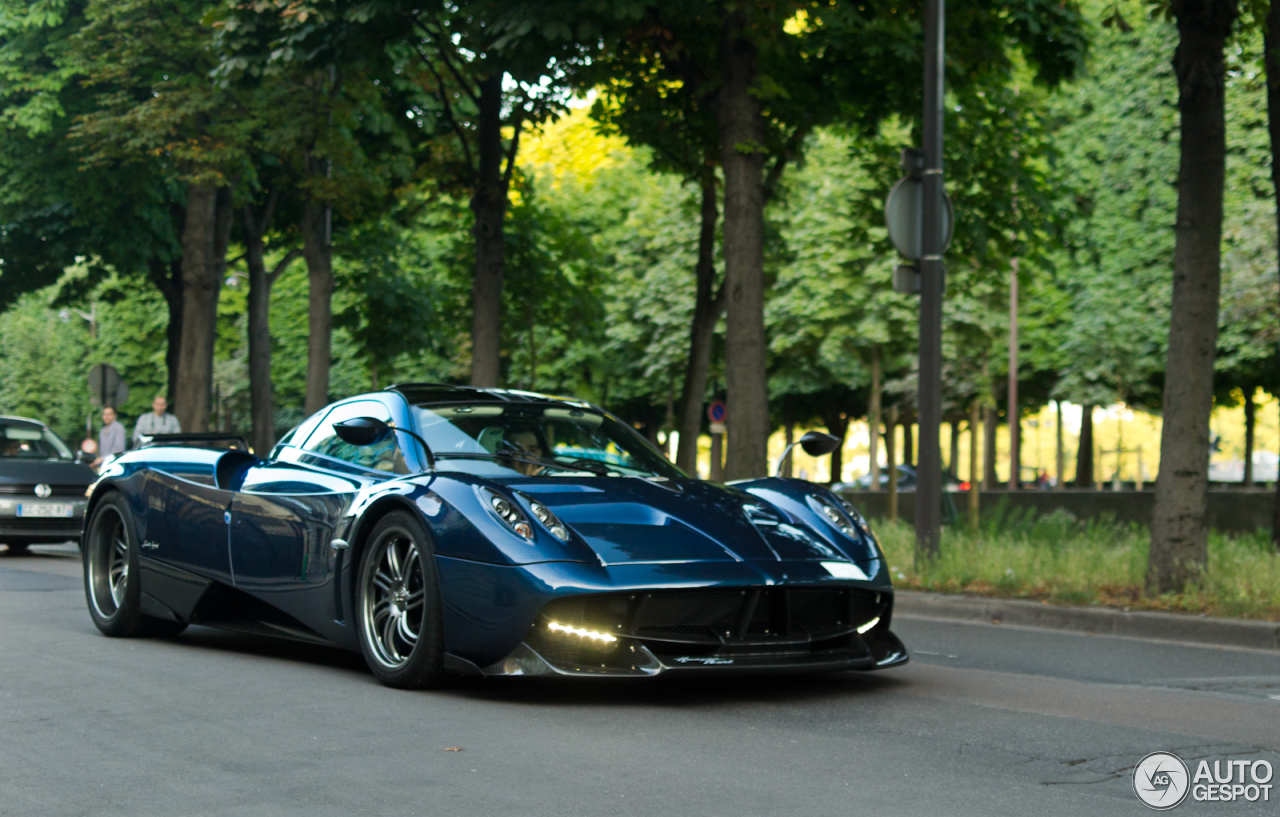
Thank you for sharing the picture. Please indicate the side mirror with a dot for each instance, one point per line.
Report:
(814, 443)
(817, 444)
(362, 431)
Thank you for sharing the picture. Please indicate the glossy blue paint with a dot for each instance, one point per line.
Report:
(627, 534)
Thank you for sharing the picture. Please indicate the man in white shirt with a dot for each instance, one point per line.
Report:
(156, 421)
(111, 438)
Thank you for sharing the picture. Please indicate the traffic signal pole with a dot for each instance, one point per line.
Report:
(929, 463)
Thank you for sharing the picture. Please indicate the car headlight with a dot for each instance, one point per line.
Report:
(836, 516)
(509, 512)
(549, 520)
(854, 514)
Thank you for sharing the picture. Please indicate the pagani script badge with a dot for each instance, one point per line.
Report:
(149, 545)
(1160, 780)
(707, 662)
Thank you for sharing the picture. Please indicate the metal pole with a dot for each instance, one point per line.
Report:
(929, 459)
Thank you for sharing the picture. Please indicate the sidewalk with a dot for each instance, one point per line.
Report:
(1178, 627)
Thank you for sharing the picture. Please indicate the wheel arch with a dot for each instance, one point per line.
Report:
(101, 489)
(358, 539)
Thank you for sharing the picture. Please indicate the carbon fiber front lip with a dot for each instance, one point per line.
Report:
(526, 661)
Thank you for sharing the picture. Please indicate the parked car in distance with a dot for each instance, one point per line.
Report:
(906, 481)
(42, 486)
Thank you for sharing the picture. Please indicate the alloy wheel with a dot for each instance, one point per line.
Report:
(394, 600)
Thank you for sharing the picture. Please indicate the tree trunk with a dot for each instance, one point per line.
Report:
(318, 252)
(1084, 451)
(873, 418)
(908, 444)
(1012, 416)
(975, 481)
(1179, 532)
(741, 129)
(261, 408)
(1250, 418)
(201, 283)
(789, 427)
(837, 425)
(891, 427)
(715, 471)
(489, 204)
(990, 425)
(168, 279)
(261, 411)
(1060, 460)
(707, 308)
(953, 464)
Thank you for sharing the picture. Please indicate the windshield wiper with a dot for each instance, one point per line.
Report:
(531, 460)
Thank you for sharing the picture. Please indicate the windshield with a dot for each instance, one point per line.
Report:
(26, 441)
(504, 440)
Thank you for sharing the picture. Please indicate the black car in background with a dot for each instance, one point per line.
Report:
(42, 487)
(906, 481)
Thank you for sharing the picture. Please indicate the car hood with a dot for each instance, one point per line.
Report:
(634, 520)
(15, 471)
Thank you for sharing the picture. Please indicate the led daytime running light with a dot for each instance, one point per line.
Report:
(569, 629)
(865, 628)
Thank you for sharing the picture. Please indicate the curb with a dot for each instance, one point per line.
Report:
(1178, 627)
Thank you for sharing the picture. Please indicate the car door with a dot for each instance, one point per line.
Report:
(283, 515)
(186, 524)
(282, 520)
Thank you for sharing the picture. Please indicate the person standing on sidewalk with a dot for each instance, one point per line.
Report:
(111, 438)
(155, 422)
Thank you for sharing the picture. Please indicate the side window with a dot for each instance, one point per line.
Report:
(299, 433)
(385, 456)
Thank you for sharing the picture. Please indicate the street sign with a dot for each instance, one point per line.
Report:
(717, 412)
(904, 216)
(108, 388)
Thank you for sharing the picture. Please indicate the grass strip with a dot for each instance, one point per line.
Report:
(1059, 560)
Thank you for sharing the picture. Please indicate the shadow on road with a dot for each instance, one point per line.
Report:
(676, 691)
(207, 638)
(663, 691)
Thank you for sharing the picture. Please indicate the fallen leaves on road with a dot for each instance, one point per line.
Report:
(453, 749)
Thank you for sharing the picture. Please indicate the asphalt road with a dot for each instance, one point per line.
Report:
(986, 720)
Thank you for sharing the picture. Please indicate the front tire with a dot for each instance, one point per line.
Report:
(398, 605)
(112, 583)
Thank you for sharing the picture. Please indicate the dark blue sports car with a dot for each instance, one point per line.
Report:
(440, 529)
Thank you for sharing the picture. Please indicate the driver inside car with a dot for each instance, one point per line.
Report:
(526, 442)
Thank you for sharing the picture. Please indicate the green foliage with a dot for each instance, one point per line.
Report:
(1119, 141)
(1059, 560)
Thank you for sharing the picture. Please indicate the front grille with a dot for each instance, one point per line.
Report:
(39, 523)
(57, 490)
(755, 619)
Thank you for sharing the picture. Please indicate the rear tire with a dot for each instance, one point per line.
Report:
(112, 583)
(398, 605)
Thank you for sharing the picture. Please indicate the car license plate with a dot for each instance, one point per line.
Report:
(45, 509)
